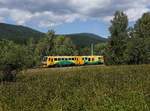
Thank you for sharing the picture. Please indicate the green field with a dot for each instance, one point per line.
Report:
(87, 88)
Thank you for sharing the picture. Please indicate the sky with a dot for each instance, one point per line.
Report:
(70, 16)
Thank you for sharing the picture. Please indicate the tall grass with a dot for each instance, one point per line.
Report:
(90, 88)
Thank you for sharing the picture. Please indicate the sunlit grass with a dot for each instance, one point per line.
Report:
(90, 88)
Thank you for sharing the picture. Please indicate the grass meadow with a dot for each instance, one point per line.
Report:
(86, 88)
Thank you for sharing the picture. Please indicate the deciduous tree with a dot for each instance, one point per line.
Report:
(118, 38)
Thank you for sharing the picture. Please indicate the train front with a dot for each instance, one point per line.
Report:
(44, 61)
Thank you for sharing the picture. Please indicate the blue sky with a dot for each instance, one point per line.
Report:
(90, 26)
(70, 16)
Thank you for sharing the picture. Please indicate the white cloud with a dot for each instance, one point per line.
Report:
(48, 19)
(20, 16)
(136, 13)
(47, 13)
(107, 18)
(87, 6)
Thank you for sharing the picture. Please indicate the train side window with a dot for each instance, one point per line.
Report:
(52, 60)
(83, 58)
(89, 59)
(49, 59)
(77, 59)
(92, 59)
(66, 59)
(69, 58)
(55, 59)
(63, 59)
(86, 58)
(72, 58)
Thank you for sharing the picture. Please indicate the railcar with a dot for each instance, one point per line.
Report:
(60, 61)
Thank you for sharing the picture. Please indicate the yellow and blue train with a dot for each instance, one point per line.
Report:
(60, 61)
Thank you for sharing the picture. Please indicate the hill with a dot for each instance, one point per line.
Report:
(86, 39)
(18, 33)
(86, 88)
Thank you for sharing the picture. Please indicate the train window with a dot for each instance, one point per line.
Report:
(69, 58)
(62, 59)
(49, 59)
(66, 59)
(77, 59)
(92, 59)
(89, 59)
(86, 58)
(83, 58)
(72, 58)
(99, 58)
(55, 59)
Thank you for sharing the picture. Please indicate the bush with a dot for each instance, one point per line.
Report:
(9, 73)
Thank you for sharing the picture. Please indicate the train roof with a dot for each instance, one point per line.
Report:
(76, 56)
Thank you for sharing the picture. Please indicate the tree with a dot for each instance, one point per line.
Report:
(45, 45)
(63, 46)
(51, 36)
(100, 48)
(41, 47)
(84, 51)
(70, 47)
(138, 50)
(32, 52)
(14, 58)
(118, 39)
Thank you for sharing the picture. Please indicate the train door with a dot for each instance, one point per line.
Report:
(80, 60)
(50, 61)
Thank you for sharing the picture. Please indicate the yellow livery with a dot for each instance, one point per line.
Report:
(59, 61)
